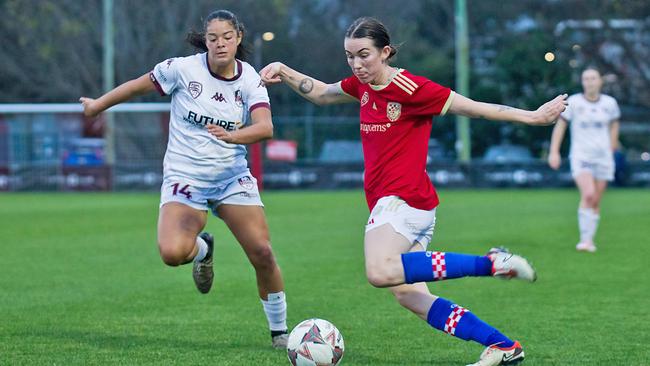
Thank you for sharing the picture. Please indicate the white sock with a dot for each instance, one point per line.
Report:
(595, 218)
(203, 249)
(276, 311)
(587, 223)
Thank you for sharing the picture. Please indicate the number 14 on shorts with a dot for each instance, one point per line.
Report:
(183, 190)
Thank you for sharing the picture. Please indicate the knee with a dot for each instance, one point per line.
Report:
(172, 254)
(384, 271)
(377, 277)
(590, 198)
(262, 257)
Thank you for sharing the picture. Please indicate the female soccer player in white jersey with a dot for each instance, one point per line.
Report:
(396, 116)
(594, 137)
(213, 95)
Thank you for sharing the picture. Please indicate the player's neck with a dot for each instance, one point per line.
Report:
(226, 71)
(592, 97)
(386, 76)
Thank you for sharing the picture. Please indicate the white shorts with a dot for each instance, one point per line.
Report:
(238, 190)
(414, 224)
(600, 169)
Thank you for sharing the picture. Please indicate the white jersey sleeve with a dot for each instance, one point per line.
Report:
(165, 76)
(615, 111)
(254, 91)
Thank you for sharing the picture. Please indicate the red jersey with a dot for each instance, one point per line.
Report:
(395, 128)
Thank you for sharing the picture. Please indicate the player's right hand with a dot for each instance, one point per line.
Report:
(89, 107)
(271, 73)
(554, 161)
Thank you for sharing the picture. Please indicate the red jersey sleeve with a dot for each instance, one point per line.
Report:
(351, 86)
(431, 99)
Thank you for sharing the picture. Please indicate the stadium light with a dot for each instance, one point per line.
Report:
(549, 56)
(255, 150)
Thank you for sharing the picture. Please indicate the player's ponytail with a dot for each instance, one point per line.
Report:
(197, 39)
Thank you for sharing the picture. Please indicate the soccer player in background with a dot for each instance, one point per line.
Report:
(213, 93)
(594, 137)
(396, 117)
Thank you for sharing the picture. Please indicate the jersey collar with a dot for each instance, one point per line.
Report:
(238, 69)
(390, 80)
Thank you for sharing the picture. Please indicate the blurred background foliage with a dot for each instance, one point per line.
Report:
(51, 51)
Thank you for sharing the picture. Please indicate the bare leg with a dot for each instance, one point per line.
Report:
(249, 226)
(383, 247)
(178, 227)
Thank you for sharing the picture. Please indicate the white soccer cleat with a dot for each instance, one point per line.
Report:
(494, 356)
(586, 247)
(507, 265)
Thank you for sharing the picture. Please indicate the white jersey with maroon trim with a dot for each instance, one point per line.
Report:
(200, 97)
(590, 126)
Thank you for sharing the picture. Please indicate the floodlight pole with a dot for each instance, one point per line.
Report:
(463, 140)
(109, 81)
(256, 148)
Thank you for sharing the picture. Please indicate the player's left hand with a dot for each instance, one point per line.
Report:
(549, 112)
(220, 133)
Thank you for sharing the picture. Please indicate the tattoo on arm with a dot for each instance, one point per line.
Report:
(306, 86)
(503, 107)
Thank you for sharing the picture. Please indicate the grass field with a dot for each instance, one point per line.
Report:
(81, 282)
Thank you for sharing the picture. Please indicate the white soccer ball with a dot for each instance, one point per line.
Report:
(315, 342)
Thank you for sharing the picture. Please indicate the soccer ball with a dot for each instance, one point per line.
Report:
(315, 342)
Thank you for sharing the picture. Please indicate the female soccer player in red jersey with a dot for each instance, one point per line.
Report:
(396, 116)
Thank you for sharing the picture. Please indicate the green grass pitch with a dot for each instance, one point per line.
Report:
(81, 282)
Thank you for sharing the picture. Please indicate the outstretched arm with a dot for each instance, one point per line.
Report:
(545, 115)
(311, 89)
(142, 85)
(554, 158)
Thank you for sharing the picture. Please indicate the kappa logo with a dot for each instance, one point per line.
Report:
(169, 62)
(218, 97)
(195, 88)
(364, 98)
(246, 182)
(393, 111)
(374, 106)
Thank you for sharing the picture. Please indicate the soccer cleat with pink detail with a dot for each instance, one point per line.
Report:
(507, 265)
(495, 355)
(586, 247)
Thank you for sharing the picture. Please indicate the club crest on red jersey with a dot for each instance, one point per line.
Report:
(195, 88)
(393, 111)
(364, 98)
